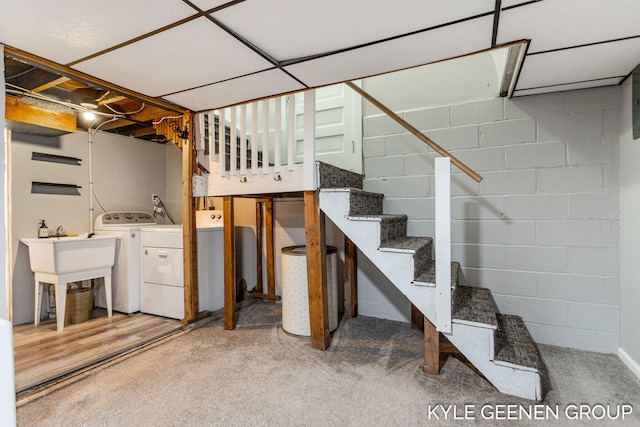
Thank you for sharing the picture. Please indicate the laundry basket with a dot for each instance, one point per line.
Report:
(295, 292)
(78, 306)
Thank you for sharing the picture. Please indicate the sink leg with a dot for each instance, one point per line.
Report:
(38, 303)
(61, 304)
(108, 294)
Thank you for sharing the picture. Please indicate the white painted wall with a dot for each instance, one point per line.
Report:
(4, 289)
(541, 230)
(629, 236)
(126, 172)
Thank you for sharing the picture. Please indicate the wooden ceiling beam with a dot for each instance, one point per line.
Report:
(27, 113)
(152, 113)
(111, 100)
(142, 132)
(51, 84)
(117, 124)
(90, 80)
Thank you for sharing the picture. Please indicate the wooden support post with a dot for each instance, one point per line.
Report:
(259, 228)
(189, 248)
(316, 271)
(431, 349)
(268, 224)
(229, 265)
(417, 321)
(264, 223)
(351, 273)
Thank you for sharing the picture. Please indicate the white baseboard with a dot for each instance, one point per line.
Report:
(629, 362)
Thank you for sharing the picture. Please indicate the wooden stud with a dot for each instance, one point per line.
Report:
(50, 84)
(229, 264)
(431, 348)
(259, 228)
(268, 224)
(27, 113)
(351, 273)
(189, 251)
(417, 322)
(316, 271)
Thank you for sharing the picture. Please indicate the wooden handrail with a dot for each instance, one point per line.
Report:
(464, 168)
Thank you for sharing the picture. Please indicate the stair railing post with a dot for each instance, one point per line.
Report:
(443, 244)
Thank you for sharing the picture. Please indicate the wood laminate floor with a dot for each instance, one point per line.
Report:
(43, 354)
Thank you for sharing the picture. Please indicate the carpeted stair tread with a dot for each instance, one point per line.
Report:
(392, 226)
(428, 275)
(475, 305)
(513, 343)
(408, 242)
(330, 176)
(364, 202)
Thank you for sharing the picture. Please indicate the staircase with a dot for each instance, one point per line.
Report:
(498, 345)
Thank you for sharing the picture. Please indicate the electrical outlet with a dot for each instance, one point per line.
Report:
(154, 197)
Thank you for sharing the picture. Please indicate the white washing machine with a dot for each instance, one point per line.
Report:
(126, 270)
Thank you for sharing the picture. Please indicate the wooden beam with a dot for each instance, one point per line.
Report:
(26, 113)
(229, 264)
(316, 271)
(190, 250)
(152, 113)
(259, 227)
(142, 132)
(431, 348)
(50, 84)
(117, 124)
(87, 79)
(351, 273)
(417, 321)
(112, 99)
(268, 224)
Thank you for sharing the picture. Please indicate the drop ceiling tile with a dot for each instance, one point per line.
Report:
(66, 30)
(190, 55)
(569, 86)
(580, 64)
(288, 29)
(443, 43)
(553, 24)
(255, 86)
(510, 3)
(209, 4)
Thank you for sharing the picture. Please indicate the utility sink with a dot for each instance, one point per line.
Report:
(62, 260)
(64, 255)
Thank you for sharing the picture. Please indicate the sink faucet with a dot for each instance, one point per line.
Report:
(60, 232)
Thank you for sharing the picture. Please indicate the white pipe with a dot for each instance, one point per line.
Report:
(91, 135)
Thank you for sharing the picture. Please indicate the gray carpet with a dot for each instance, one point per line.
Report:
(259, 375)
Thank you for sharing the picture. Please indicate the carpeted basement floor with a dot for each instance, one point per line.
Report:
(371, 376)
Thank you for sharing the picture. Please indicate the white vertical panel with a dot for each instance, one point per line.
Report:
(212, 136)
(243, 139)
(310, 178)
(265, 136)
(278, 141)
(222, 113)
(200, 137)
(7, 385)
(233, 149)
(254, 138)
(291, 129)
(443, 244)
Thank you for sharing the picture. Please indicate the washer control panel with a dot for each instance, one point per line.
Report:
(124, 218)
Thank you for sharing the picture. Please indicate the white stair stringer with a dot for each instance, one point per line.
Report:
(475, 340)
(397, 266)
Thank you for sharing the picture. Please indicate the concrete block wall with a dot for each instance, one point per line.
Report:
(541, 229)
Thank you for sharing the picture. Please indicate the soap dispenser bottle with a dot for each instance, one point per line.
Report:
(43, 231)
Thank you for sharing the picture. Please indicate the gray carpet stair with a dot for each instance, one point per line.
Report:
(471, 307)
(475, 305)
